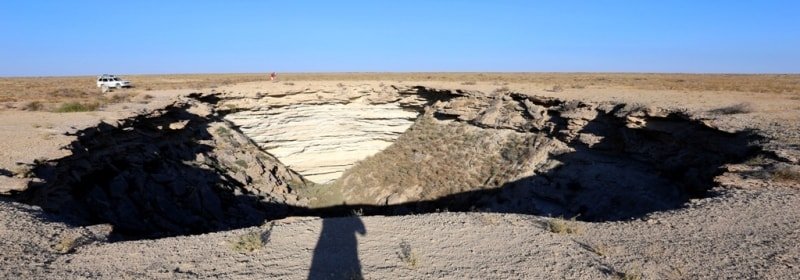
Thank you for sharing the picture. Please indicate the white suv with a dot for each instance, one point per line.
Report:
(106, 82)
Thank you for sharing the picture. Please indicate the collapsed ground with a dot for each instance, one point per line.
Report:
(189, 169)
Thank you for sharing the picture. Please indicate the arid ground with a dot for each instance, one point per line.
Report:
(402, 176)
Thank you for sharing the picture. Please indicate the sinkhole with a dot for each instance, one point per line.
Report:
(213, 162)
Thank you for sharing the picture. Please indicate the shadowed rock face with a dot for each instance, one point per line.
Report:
(188, 169)
(180, 170)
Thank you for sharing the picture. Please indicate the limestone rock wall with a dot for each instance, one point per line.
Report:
(321, 141)
(320, 133)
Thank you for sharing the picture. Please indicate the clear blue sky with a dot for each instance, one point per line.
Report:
(137, 37)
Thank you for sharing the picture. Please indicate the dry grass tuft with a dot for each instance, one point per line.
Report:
(73, 107)
(786, 175)
(407, 255)
(757, 160)
(502, 90)
(555, 88)
(242, 163)
(249, 242)
(119, 97)
(33, 106)
(562, 226)
(67, 243)
(598, 249)
(629, 275)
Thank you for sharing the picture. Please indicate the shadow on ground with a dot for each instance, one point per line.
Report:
(336, 254)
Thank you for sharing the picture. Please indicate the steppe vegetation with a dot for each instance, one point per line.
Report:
(47, 93)
(250, 241)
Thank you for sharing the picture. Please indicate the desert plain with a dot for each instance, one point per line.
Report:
(401, 176)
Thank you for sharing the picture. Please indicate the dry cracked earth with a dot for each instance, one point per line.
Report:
(400, 180)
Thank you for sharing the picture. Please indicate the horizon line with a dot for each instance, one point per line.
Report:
(417, 72)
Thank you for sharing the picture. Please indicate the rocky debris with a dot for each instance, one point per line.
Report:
(511, 152)
(179, 170)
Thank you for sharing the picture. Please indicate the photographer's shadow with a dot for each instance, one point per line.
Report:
(336, 254)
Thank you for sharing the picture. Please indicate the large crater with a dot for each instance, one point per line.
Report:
(223, 161)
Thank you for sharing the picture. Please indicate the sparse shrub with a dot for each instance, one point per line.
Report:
(68, 92)
(147, 97)
(469, 83)
(757, 160)
(741, 108)
(67, 243)
(786, 175)
(599, 249)
(223, 131)
(502, 90)
(288, 84)
(249, 242)
(556, 88)
(119, 98)
(33, 106)
(407, 255)
(562, 226)
(633, 274)
(242, 163)
(72, 107)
